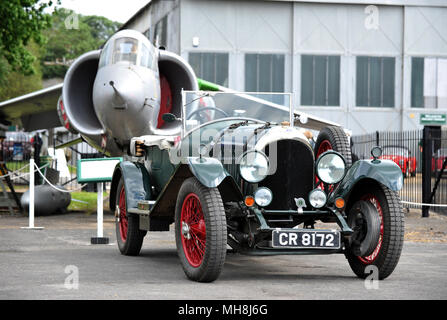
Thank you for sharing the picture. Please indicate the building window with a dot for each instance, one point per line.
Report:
(265, 73)
(161, 33)
(210, 66)
(375, 82)
(429, 83)
(320, 80)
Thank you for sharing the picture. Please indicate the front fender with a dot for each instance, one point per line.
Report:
(136, 184)
(385, 172)
(209, 171)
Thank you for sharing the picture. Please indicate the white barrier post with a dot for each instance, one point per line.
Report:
(31, 198)
(100, 239)
(98, 170)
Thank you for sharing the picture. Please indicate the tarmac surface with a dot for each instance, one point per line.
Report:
(43, 264)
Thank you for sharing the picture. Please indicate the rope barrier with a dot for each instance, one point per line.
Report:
(53, 186)
(37, 169)
(13, 172)
(22, 175)
(425, 204)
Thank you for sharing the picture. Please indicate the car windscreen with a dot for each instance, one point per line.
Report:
(201, 107)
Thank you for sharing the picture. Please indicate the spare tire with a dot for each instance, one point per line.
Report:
(333, 138)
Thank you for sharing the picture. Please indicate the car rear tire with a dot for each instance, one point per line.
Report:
(333, 138)
(128, 234)
(387, 253)
(200, 231)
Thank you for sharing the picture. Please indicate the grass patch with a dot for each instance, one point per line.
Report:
(88, 199)
(72, 169)
(15, 165)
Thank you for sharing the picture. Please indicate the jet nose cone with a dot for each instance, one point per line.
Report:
(119, 97)
(125, 94)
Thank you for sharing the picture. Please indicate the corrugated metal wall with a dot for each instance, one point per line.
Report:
(391, 34)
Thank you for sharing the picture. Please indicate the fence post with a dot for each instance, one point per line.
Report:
(427, 154)
(100, 239)
(31, 198)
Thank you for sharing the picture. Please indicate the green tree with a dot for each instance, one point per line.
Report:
(20, 22)
(15, 83)
(88, 33)
(101, 28)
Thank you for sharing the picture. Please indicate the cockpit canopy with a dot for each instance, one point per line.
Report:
(128, 50)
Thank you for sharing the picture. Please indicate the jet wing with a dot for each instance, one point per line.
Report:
(34, 111)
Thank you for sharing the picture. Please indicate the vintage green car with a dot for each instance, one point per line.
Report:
(243, 175)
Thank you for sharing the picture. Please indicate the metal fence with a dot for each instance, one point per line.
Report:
(66, 160)
(18, 147)
(406, 150)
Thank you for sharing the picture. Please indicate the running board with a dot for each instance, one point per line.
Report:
(146, 222)
(144, 207)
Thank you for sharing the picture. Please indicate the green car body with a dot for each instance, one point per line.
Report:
(157, 178)
(244, 173)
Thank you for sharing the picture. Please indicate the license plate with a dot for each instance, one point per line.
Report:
(306, 239)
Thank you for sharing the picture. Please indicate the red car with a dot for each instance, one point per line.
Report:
(402, 157)
(438, 160)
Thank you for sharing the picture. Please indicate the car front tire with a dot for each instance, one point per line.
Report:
(128, 234)
(200, 231)
(387, 253)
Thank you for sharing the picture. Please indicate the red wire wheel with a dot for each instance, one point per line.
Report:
(129, 237)
(193, 230)
(391, 229)
(375, 201)
(332, 138)
(324, 146)
(123, 222)
(200, 230)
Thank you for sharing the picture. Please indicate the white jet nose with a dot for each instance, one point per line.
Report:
(125, 94)
(120, 98)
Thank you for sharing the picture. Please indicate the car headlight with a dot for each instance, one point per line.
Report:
(254, 166)
(317, 198)
(263, 197)
(331, 167)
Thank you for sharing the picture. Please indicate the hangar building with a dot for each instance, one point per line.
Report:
(368, 65)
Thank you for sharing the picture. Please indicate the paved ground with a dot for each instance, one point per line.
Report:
(33, 265)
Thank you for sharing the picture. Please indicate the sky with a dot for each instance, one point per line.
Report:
(116, 10)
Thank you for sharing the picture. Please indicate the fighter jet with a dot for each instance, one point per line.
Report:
(111, 95)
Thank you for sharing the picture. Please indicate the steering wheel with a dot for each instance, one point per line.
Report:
(198, 111)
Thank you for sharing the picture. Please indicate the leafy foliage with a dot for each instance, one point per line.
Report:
(84, 33)
(20, 22)
(15, 83)
(30, 38)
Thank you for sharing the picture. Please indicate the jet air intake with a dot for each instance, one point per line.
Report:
(77, 94)
(123, 90)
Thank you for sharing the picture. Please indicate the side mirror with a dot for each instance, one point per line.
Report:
(169, 117)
